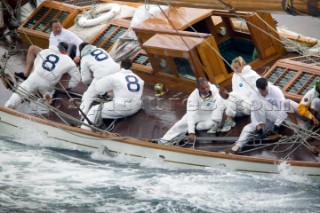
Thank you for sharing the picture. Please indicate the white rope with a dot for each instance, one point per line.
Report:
(295, 129)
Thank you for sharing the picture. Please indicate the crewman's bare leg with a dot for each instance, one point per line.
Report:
(31, 55)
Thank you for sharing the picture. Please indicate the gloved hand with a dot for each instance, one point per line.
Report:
(275, 129)
(104, 96)
(261, 135)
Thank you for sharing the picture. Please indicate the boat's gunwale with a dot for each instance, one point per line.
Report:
(139, 142)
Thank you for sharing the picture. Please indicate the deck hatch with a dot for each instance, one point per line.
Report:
(41, 20)
(45, 22)
(36, 28)
(108, 36)
(300, 83)
(308, 60)
(105, 35)
(296, 76)
(142, 59)
(114, 38)
(33, 20)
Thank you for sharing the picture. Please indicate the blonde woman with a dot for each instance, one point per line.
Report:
(243, 86)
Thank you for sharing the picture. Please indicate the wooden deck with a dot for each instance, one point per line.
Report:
(158, 115)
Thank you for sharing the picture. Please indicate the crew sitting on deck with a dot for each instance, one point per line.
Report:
(243, 87)
(98, 62)
(269, 110)
(127, 89)
(233, 105)
(309, 106)
(50, 65)
(201, 103)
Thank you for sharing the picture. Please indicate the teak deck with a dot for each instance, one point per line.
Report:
(162, 46)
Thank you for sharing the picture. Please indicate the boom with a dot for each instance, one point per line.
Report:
(294, 7)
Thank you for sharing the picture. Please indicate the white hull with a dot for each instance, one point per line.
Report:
(66, 137)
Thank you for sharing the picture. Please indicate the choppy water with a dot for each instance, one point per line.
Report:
(38, 179)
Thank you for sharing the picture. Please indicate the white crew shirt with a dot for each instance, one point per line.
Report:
(127, 87)
(197, 104)
(244, 83)
(65, 36)
(97, 61)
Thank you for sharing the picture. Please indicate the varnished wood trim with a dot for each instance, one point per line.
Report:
(142, 143)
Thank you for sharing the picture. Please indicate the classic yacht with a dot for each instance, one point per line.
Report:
(171, 47)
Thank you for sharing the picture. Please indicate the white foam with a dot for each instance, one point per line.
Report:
(287, 172)
(30, 135)
(41, 177)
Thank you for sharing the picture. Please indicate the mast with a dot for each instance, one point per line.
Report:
(294, 7)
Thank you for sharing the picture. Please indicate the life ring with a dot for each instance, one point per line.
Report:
(110, 9)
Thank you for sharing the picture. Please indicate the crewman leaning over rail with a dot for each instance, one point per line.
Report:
(309, 106)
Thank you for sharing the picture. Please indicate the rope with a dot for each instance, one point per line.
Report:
(211, 47)
(293, 139)
(194, 30)
(45, 64)
(203, 68)
(33, 98)
(175, 141)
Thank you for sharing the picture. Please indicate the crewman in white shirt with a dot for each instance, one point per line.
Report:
(50, 65)
(98, 62)
(269, 110)
(201, 103)
(58, 34)
(127, 89)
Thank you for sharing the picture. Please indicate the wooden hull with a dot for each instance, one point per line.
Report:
(14, 123)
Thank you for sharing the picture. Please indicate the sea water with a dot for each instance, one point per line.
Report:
(41, 179)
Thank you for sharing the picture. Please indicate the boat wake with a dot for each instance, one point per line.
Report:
(55, 180)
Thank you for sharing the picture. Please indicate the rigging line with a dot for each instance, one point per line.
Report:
(272, 36)
(197, 58)
(285, 142)
(59, 83)
(41, 56)
(298, 46)
(194, 30)
(220, 54)
(12, 16)
(302, 136)
(57, 112)
(265, 33)
(314, 134)
(228, 6)
(72, 133)
(309, 133)
(32, 98)
(24, 32)
(212, 48)
(222, 58)
(78, 108)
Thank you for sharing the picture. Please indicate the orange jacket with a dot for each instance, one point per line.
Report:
(305, 103)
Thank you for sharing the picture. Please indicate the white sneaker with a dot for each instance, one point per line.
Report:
(213, 129)
(235, 148)
(228, 125)
(163, 141)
